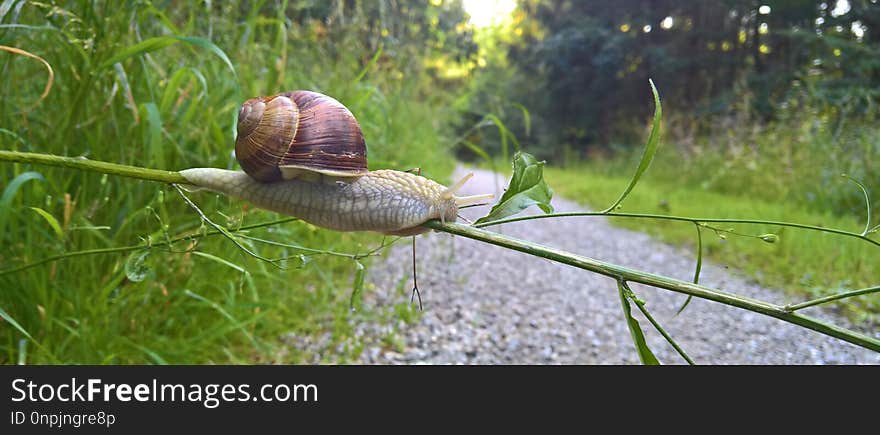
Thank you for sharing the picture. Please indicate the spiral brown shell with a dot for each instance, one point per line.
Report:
(286, 135)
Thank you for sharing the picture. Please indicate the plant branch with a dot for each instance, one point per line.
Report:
(611, 270)
(678, 286)
(682, 219)
(640, 304)
(834, 297)
(85, 164)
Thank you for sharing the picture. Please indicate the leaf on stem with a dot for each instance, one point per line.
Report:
(650, 150)
(867, 203)
(527, 187)
(697, 269)
(645, 355)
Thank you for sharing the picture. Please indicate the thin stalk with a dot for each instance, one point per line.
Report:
(222, 230)
(641, 305)
(623, 273)
(140, 246)
(680, 218)
(85, 164)
(834, 297)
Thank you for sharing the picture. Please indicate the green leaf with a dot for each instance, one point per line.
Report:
(527, 187)
(358, 285)
(9, 194)
(698, 268)
(135, 269)
(160, 42)
(51, 220)
(645, 355)
(12, 322)
(650, 150)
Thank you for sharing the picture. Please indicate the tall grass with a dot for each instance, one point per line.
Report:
(172, 105)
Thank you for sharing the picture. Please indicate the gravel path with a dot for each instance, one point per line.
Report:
(488, 305)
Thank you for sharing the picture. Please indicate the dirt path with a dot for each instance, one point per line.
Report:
(487, 305)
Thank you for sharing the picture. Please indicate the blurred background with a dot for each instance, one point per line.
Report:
(766, 104)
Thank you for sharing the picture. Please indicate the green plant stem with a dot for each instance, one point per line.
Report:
(616, 272)
(626, 274)
(640, 304)
(682, 219)
(85, 164)
(663, 332)
(136, 247)
(831, 298)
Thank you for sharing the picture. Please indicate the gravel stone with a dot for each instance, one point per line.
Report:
(488, 305)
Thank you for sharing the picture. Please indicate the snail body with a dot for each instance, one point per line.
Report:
(304, 155)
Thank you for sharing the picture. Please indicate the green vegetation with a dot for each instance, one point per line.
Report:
(160, 87)
(764, 110)
(806, 263)
(766, 105)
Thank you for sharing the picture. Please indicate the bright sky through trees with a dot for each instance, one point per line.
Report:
(485, 13)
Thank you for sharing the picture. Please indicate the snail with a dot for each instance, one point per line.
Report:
(304, 155)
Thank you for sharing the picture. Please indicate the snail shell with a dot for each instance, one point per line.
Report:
(294, 134)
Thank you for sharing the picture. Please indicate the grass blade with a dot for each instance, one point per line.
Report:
(9, 194)
(697, 269)
(160, 42)
(238, 325)
(504, 133)
(645, 355)
(369, 65)
(527, 118)
(49, 81)
(11, 321)
(476, 149)
(222, 261)
(210, 46)
(650, 150)
(51, 220)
